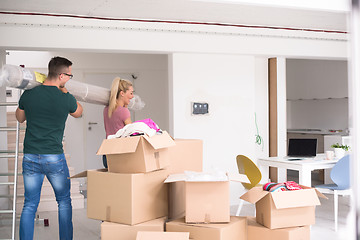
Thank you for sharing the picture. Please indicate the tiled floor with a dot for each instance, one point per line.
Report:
(89, 229)
(84, 228)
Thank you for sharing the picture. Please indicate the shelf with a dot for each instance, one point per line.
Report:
(316, 99)
(317, 131)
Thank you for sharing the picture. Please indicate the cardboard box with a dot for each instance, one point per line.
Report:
(256, 231)
(206, 201)
(284, 209)
(137, 154)
(116, 231)
(126, 198)
(236, 229)
(176, 196)
(186, 155)
(162, 236)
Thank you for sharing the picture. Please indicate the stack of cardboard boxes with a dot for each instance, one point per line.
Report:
(207, 210)
(131, 196)
(144, 187)
(285, 215)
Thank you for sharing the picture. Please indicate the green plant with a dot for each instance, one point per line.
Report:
(337, 145)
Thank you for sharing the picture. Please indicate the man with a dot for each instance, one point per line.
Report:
(45, 109)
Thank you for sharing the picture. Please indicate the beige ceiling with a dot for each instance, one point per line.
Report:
(180, 10)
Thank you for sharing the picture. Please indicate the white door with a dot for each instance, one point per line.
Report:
(94, 123)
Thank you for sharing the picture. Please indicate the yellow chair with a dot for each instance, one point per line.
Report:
(249, 168)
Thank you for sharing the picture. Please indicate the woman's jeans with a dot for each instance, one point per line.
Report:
(54, 167)
(105, 161)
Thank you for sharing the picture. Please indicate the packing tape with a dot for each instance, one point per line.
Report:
(27, 74)
(207, 218)
(23, 84)
(40, 77)
(157, 159)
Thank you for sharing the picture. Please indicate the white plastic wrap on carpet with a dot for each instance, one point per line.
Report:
(23, 78)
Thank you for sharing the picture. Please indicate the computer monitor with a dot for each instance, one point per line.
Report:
(302, 147)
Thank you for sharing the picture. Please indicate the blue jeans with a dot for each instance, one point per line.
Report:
(35, 167)
(105, 161)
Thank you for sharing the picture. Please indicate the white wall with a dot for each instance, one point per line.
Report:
(261, 97)
(315, 78)
(227, 83)
(317, 94)
(281, 107)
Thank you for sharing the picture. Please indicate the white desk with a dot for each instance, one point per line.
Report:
(304, 167)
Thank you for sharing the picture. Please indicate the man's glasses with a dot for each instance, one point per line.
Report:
(69, 75)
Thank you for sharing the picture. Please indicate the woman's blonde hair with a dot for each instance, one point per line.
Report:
(117, 86)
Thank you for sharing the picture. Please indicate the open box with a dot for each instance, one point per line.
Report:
(207, 201)
(285, 208)
(137, 154)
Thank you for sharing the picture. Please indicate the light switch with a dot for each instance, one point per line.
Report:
(8, 93)
(200, 108)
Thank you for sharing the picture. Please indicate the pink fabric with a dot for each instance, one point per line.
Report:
(117, 120)
(291, 185)
(150, 123)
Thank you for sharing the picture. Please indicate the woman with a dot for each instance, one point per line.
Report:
(117, 115)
